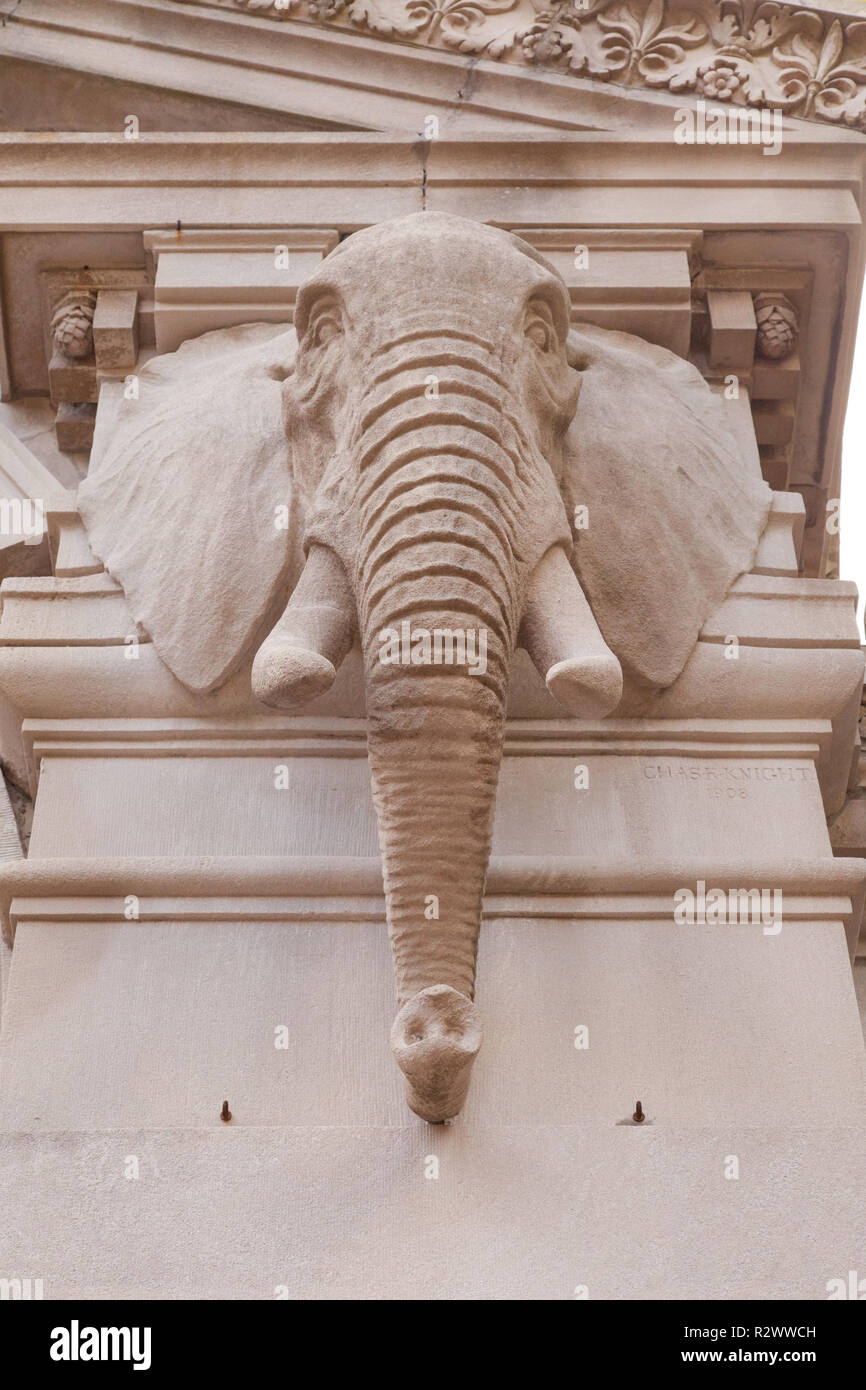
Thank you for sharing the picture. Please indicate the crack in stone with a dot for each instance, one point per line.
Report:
(7, 14)
(421, 148)
(423, 145)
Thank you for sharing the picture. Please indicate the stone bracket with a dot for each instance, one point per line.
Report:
(636, 280)
(728, 339)
(112, 346)
(206, 279)
(732, 330)
(115, 329)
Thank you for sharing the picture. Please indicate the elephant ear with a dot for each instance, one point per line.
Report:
(673, 513)
(181, 503)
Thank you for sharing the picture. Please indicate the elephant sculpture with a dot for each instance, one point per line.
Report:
(420, 428)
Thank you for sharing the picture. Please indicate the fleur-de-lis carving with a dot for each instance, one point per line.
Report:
(820, 72)
(638, 43)
(761, 52)
(752, 26)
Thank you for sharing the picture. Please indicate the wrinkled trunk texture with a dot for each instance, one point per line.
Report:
(439, 494)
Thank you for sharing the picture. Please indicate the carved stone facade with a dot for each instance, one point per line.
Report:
(441, 437)
(745, 52)
(426, 530)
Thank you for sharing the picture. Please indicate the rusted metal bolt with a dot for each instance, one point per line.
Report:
(226, 1114)
(638, 1115)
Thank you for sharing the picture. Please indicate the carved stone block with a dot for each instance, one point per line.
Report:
(207, 280)
(72, 380)
(776, 381)
(115, 329)
(774, 422)
(74, 426)
(732, 330)
(70, 551)
(637, 280)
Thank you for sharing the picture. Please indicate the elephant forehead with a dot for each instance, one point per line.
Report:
(434, 258)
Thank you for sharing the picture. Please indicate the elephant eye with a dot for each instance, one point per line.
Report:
(540, 334)
(325, 325)
(538, 325)
(326, 328)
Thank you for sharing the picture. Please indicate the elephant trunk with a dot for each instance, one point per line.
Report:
(437, 589)
(434, 784)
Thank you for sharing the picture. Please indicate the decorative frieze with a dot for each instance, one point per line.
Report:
(744, 52)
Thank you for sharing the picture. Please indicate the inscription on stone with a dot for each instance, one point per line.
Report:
(729, 781)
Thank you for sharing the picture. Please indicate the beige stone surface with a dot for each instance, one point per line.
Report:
(740, 225)
(31, 420)
(260, 904)
(312, 77)
(5, 964)
(10, 848)
(645, 803)
(514, 65)
(74, 425)
(115, 329)
(563, 1212)
(34, 96)
(205, 279)
(597, 467)
(706, 1025)
(72, 380)
(25, 489)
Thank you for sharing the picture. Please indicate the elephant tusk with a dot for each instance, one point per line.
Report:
(300, 656)
(565, 643)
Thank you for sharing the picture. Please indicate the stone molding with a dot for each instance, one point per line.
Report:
(340, 888)
(744, 52)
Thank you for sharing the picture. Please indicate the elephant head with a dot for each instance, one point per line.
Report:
(425, 416)
(430, 403)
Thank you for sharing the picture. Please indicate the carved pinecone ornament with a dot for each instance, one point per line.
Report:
(777, 325)
(72, 323)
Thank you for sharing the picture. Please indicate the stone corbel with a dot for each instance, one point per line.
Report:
(205, 280)
(72, 368)
(636, 280)
(92, 332)
(732, 331)
(115, 330)
(747, 323)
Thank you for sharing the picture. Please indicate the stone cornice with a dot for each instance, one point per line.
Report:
(805, 62)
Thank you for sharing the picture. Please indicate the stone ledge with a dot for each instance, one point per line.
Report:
(225, 888)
